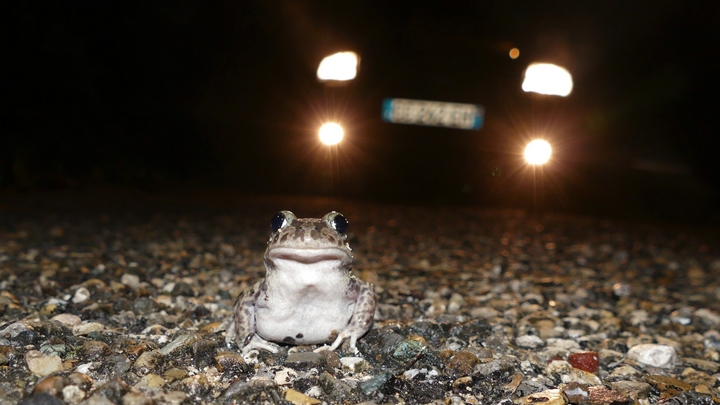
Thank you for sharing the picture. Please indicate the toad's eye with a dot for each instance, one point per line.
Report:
(337, 222)
(281, 220)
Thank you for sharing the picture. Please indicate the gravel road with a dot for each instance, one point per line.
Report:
(120, 300)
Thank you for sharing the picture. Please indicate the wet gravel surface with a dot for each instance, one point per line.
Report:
(123, 303)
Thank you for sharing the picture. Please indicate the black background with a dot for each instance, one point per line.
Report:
(222, 94)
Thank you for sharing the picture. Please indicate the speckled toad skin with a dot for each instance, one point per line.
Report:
(309, 294)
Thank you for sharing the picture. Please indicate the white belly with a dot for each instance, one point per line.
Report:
(309, 319)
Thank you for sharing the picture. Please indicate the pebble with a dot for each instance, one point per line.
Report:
(197, 384)
(586, 361)
(182, 342)
(151, 380)
(51, 385)
(353, 365)
(42, 365)
(130, 280)
(87, 328)
(547, 397)
(148, 362)
(529, 341)
(285, 376)
(576, 393)
(81, 295)
(304, 360)
(710, 318)
(14, 329)
(461, 363)
(298, 398)
(624, 372)
(72, 394)
(705, 365)
(408, 351)
(654, 355)
(69, 320)
(474, 307)
(602, 395)
(229, 361)
(94, 350)
(136, 398)
(634, 390)
(42, 399)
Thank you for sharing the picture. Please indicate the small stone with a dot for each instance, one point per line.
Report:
(547, 397)
(337, 390)
(624, 373)
(151, 380)
(708, 317)
(81, 380)
(174, 374)
(374, 384)
(285, 376)
(81, 295)
(581, 377)
(41, 399)
(51, 385)
(130, 280)
(495, 367)
(353, 365)
(148, 362)
(183, 289)
(72, 394)
(668, 386)
(304, 360)
(462, 383)
(695, 377)
(529, 341)
(15, 329)
(704, 365)
(527, 387)
(576, 393)
(109, 393)
(181, 342)
(68, 320)
(87, 328)
(632, 389)
(586, 361)
(93, 350)
(173, 397)
(604, 395)
(212, 327)
(229, 361)
(298, 398)
(197, 384)
(42, 365)
(332, 359)
(408, 351)
(704, 389)
(565, 344)
(145, 306)
(461, 364)
(136, 398)
(654, 355)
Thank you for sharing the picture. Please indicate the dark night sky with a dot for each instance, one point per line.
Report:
(223, 93)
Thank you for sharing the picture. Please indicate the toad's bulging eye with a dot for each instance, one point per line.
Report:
(337, 221)
(281, 220)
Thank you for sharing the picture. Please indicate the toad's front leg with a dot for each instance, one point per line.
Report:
(363, 314)
(242, 327)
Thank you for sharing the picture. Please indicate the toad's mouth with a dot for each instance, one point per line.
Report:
(308, 256)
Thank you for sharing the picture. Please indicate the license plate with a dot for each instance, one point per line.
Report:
(433, 113)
